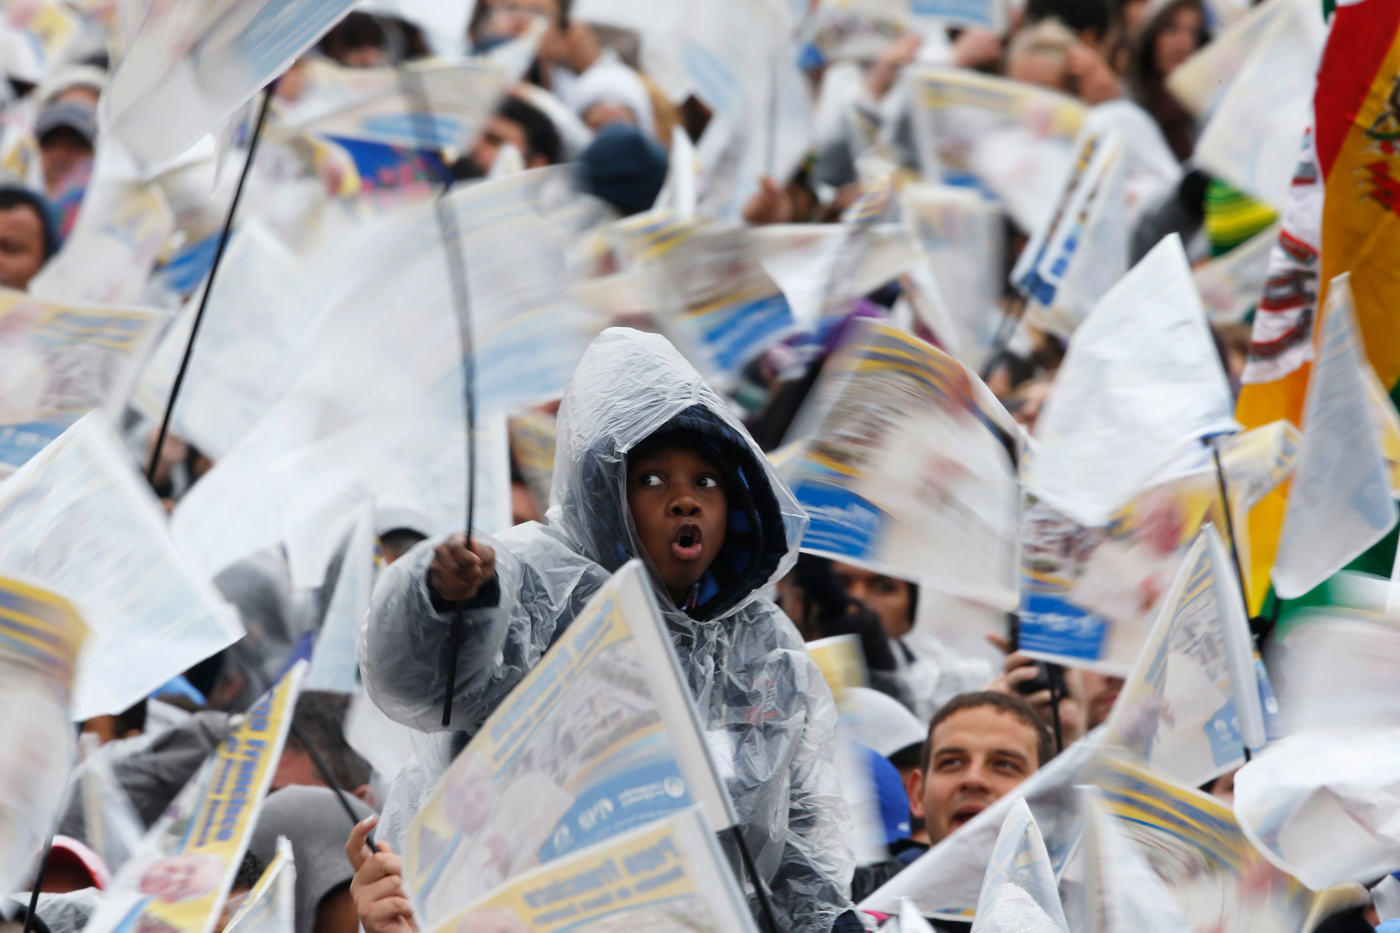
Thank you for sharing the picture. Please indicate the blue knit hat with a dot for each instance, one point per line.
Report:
(624, 168)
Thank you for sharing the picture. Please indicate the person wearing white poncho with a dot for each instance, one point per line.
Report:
(756, 688)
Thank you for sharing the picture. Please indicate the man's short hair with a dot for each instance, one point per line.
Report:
(540, 134)
(1002, 702)
(320, 716)
(249, 871)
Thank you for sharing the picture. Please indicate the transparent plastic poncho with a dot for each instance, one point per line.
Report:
(758, 691)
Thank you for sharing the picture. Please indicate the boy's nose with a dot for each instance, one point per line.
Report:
(685, 505)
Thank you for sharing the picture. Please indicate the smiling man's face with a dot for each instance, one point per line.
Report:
(978, 754)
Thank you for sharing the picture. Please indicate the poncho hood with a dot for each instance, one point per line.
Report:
(629, 388)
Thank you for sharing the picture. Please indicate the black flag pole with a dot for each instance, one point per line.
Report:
(1230, 530)
(421, 118)
(32, 914)
(1006, 328)
(1225, 507)
(765, 906)
(251, 671)
(39, 882)
(209, 284)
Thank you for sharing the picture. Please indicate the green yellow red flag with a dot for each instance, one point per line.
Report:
(1341, 217)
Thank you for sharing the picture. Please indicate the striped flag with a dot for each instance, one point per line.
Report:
(1341, 217)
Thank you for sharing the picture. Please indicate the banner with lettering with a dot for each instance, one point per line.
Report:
(179, 877)
(60, 361)
(601, 737)
(665, 876)
(41, 634)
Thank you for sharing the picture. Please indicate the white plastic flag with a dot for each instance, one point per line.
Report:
(1089, 595)
(1019, 891)
(1325, 806)
(438, 103)
(906, 471)
(964, 240)
(1123, 893)
(58, 362)
(1082, 249)
(1251, 140)
(385, 744)
(334, 664)
(1203, 78)
(739, 58)
(1140, 382)
(910, 920)
(1337, 671)
(823, 268)
(1230, 285)
(270, 907)
(668, 875)
(245, 358)
(111, 825)
(1218, 880)
(78, 518)
(1009, 138)
(188, 66)
(1191, 705)
(378, 405)
(1339, 501)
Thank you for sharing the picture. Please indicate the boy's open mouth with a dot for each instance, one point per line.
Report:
(685, 543)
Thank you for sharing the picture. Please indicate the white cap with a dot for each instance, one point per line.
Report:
(389, 516)
(886, 725)
(70, 76)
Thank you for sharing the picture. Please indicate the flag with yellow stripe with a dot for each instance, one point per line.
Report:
(1341, 217)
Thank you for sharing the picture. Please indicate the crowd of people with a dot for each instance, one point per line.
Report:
(659, 448)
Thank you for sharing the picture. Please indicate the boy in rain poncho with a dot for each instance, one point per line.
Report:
(649, 464)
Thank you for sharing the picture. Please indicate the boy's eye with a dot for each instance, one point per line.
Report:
(707, 482)
(649, 479)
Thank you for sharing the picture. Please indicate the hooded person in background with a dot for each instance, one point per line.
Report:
(67, 133)
(28, 237)
(610, 92)
(315, 823)
(650, 464)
